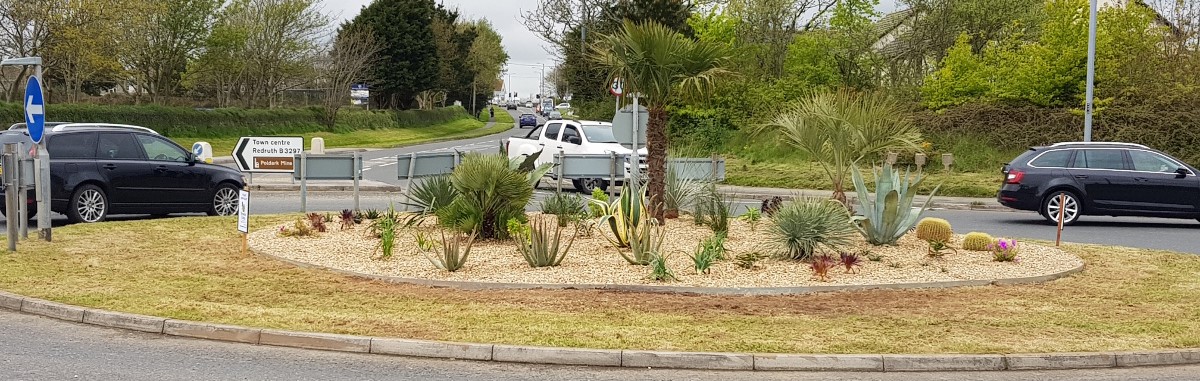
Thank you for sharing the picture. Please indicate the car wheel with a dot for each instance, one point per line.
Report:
(88, 204)
(225, 201)
(1071, 207)
(587, 185)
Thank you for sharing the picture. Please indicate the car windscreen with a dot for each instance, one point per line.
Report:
(599, 133)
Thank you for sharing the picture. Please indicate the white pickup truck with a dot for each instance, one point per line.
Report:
(572, 137)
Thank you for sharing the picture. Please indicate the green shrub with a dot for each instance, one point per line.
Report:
(890, 214)
(803, 225)
(599, 198)
(491, 191)
(712, 209)
(567, 207)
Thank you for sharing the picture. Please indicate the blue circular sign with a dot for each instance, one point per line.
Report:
(197, 149)
(35, 109)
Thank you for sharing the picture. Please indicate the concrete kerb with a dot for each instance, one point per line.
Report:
(602, 357)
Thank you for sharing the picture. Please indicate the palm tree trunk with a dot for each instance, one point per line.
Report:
(656, 159)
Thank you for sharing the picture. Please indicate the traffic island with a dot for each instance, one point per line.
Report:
(1127, 308)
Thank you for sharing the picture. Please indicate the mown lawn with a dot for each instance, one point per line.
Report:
(379, 138)
(801, 174)
(191, 268)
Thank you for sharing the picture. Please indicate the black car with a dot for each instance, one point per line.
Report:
(1113, 179)
(511, 106)
(101, 169)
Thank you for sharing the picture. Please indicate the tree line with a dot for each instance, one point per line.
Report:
(249, 53)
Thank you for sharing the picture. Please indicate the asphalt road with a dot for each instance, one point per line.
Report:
(38, 348)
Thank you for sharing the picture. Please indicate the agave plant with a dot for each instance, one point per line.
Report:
(890, 214)
(455, 251)
(622, 215)
(538, 244)
(432, 194)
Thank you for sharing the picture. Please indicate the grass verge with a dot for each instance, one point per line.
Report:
(376, 138)
(809, 175)
(190, 268)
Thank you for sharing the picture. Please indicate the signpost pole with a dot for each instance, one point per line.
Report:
(635, 158)
(10, 198)
(357, 170)
(303, 182)
(41, 185)
(612, 179)
(22, 196)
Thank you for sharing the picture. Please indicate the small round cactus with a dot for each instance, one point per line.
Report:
(976, 241)
(934, 229)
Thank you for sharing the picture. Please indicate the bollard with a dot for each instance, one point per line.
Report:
(947, 161)
(318, 146)
(1062, 207)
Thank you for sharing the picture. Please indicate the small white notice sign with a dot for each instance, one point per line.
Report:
(243, 211)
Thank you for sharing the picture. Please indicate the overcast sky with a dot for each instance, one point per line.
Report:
(525, 49)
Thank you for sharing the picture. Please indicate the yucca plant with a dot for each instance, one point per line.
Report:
(539, 245)
(890, 214)
(803, 225)
(681, 193)
(622, 215)
(714, 206)
(646, 239)
(454, 251)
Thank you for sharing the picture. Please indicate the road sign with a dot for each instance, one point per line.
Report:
(35, 109)
(197, 149)
(267, 153)
(243, 211)
(617, 87)
(622, 126)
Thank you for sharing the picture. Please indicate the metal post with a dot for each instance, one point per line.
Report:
(10, 197)
(412, 166)
(41, 187)
(1062, 199)
(712, 174)
(357, 172)
(22, 195)
(612, 179)
(1091, 74)
(635, 158)
(303, 182)
(558, 158)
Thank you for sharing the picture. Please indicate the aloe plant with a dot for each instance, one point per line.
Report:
(890, 214)
(540, 246)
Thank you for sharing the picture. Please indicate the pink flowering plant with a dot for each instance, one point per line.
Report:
(1004, 250)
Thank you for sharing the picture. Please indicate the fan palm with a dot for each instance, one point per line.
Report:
(662, 66)
(841, 128)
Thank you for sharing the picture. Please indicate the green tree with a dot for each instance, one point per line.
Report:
(162, 36)
(839, 129)
(663, 66)
(408, 60)
(486, 58)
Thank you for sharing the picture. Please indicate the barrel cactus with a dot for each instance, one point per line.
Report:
(934, 229)
(976, 241)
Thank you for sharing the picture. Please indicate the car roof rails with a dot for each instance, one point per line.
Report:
(1099, 144)
(63, 127)
(21, 126)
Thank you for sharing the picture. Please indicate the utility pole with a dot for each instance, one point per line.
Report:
(1091, 74)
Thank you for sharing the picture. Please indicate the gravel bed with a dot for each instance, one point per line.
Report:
(593, 260)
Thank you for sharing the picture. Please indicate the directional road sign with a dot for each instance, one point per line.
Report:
(267, 153)
(35, 109)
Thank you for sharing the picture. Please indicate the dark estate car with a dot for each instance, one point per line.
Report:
(101, 169)
(1114, 179)
(528, 119)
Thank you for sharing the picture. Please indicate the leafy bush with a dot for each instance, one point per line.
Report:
(454, 251)
(804, 225)
(492, 189)
(890, 215)
(646, 238)
(709, 251)
(567, 207)
(433, 194)
(349, 219)
(234, 122)
(537, 244)
(598, 198)
(748, 260)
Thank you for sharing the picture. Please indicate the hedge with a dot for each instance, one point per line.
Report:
(227, 122)
(1168, 128)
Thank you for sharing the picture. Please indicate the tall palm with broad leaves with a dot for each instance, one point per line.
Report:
(662, 66)
(841, 128)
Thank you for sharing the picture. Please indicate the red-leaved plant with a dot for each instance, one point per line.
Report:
(317, 221)
(850, 260)
(821, 265)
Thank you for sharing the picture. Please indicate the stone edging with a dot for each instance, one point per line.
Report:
(746, 291)
(597, 357)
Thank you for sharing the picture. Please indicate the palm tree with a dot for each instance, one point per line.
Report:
(840, 128)
(662, 66)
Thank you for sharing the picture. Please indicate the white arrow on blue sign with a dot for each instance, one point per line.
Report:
(35, 110)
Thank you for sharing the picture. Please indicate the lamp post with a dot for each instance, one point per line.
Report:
(1091, 73)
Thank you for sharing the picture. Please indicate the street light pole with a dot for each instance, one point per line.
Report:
(1091, 74)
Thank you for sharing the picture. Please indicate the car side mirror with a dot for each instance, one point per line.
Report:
(574, 140)
(191, 159)
(1181, 172)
